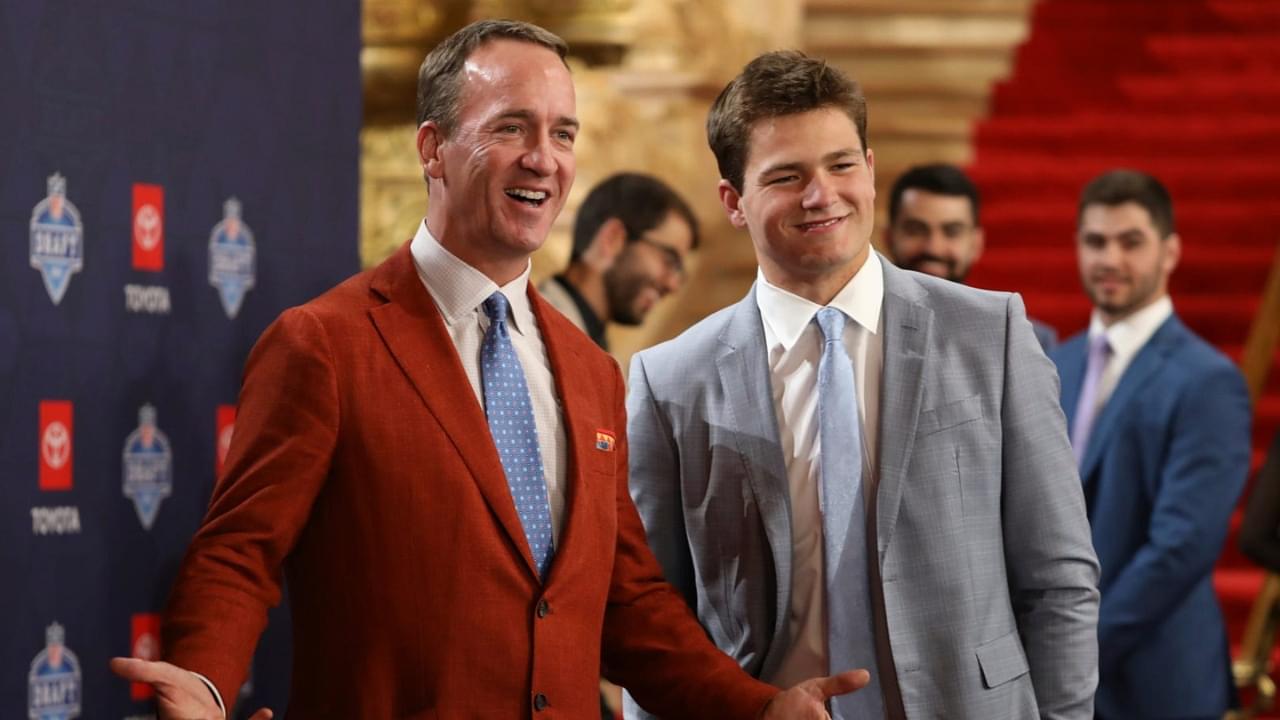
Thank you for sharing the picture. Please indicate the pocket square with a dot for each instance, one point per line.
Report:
(604, 440)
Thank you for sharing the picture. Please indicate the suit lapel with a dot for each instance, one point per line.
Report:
(567, 362)
(907, 323)
(742, 362)
(1146, 365)
(414, 332)
(1073, 356)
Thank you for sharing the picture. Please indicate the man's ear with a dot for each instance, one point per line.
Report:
(430, 139)
(1172, 252)
(609, 241)
(979, 244)
(731, 199)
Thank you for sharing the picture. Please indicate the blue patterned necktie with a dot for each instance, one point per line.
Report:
(850, 637)
(510, 413)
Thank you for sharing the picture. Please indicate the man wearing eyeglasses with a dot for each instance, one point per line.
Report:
(630, 240)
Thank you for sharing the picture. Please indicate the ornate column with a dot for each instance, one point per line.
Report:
(397, 34)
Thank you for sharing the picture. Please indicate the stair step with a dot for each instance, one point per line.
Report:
(825, 32)
(1002, 8)
(876, 68)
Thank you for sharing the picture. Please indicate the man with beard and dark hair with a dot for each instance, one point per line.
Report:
(1159, 424)
(934, 228)
(630, 240)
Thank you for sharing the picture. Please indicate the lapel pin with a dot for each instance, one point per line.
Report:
(604, 440)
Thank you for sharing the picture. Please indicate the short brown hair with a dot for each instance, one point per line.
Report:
(440, 77)
(783, 82)
(1117, 187)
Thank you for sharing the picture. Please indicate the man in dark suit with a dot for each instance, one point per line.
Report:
(1159, 423)
(438, 463)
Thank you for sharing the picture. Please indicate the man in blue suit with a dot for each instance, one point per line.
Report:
(1159, 423)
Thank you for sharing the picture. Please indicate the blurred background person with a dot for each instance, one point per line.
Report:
(934, 228)
(1260, 532)
(1159, 423)
(630, 240)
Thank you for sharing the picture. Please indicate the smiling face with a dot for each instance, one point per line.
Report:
(808, 200)
(935, 234)
(649, 268)
(500, 179)
(1124, 263)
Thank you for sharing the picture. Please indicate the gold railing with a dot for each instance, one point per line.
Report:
(1252, 669)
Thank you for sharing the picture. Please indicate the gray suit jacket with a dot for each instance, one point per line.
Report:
(989, 578)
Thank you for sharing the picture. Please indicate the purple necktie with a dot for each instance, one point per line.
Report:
(1087, 406)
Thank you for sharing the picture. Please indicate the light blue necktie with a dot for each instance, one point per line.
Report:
(510, 413)
(850, 636)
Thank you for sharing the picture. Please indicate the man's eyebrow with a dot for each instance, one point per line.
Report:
(833, 155)
(528, 116)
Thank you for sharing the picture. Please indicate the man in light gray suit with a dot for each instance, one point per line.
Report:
(856, 465)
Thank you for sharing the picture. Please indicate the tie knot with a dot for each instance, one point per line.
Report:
(831, 322)
(496, 307)
(1099, 346)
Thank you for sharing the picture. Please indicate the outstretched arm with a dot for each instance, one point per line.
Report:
(180, 694)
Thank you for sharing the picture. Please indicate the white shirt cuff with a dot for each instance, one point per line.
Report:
(212, 689)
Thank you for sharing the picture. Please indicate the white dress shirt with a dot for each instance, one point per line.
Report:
(1126, 337)
(794, 345)
(459, 292)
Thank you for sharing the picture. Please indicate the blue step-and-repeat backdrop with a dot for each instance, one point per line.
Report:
(172, 176)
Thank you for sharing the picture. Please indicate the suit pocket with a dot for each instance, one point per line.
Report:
(1002, 660)
(950, 415)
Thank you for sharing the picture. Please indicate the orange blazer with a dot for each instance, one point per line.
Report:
(362, 466)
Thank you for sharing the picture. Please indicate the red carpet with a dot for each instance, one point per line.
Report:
(1188, 90)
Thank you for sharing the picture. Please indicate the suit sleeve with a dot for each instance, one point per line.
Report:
(652, 644)
(1260, 532)
(286, 426)
(1053, 571)
(1205, 465)
(655, 488)
(655, 483)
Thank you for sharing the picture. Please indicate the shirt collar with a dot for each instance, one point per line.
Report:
(1127, 336)
(787, 314)
(460, 290)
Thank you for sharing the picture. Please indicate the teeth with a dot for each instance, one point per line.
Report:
(824, 223)
(527, 194)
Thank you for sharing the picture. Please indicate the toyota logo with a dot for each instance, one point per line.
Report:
(146, 226)
(55, 446)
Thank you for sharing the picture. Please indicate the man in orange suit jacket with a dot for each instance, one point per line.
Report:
(364, 465)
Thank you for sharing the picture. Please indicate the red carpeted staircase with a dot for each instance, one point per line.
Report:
(1188, 90)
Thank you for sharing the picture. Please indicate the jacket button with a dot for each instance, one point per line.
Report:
(539, 701)
(543, 608)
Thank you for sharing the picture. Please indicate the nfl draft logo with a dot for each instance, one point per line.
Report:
(57, 239)
(148, 467)
(53, 686)
(232, 258)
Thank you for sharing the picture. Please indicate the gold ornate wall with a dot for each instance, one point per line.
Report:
(646, 71)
